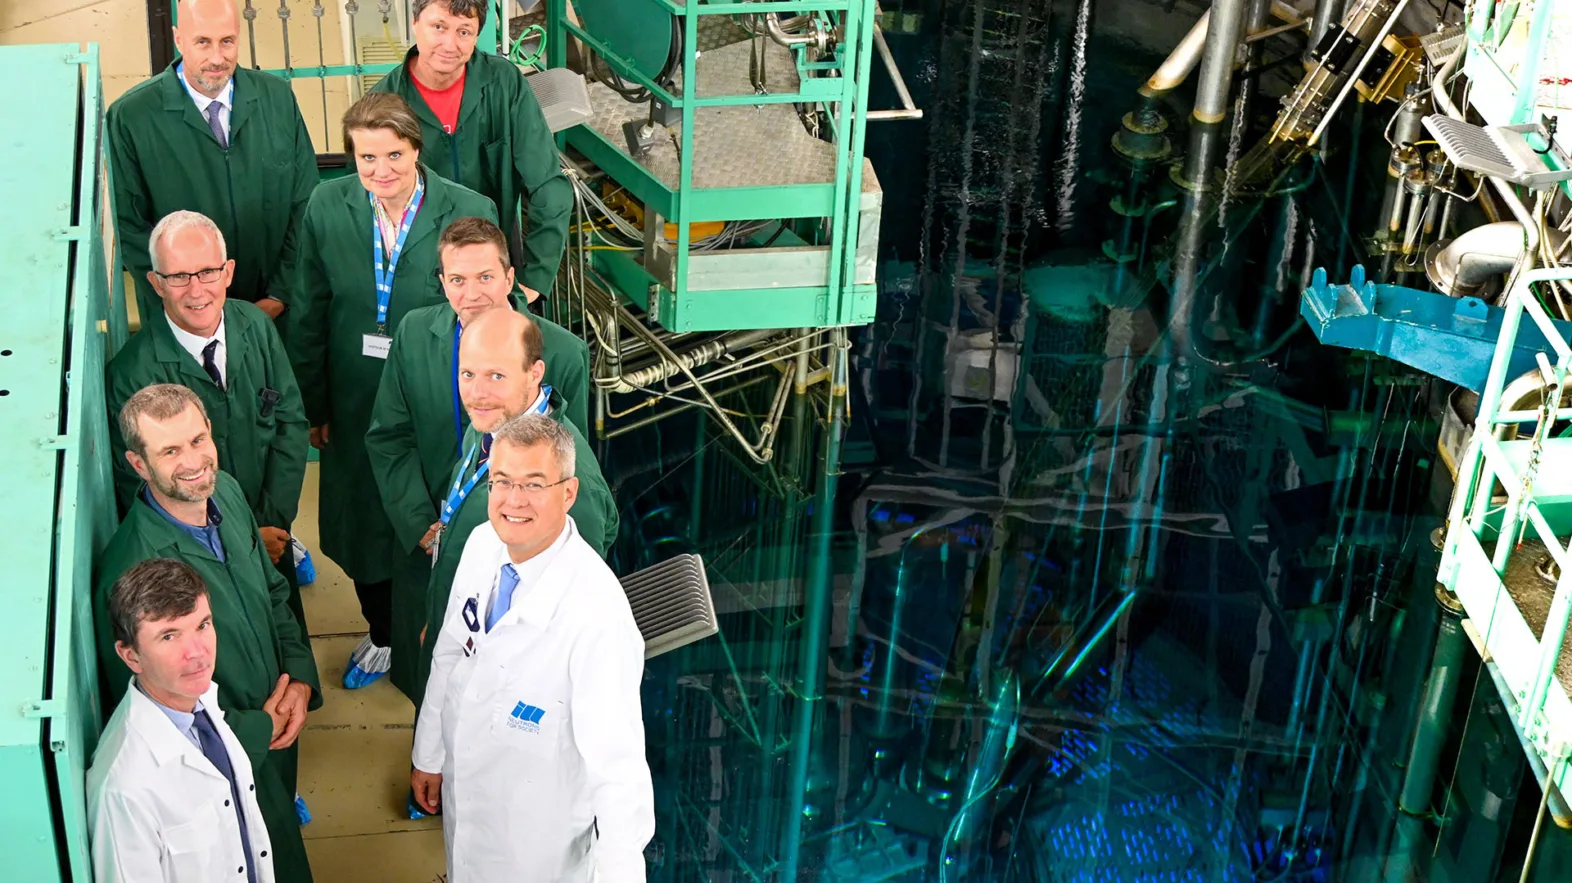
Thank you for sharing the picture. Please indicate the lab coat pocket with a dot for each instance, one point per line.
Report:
(532, 728)
(191, 848)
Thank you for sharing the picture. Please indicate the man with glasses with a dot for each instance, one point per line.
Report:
(418, 422)
(500, 371)
(531, 739)
(228, 352)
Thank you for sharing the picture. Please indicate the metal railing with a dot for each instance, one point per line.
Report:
(1510, 493)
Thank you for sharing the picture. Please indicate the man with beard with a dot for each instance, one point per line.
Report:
(190, 511)
(418, 422)
(500, 371)
(210, 137)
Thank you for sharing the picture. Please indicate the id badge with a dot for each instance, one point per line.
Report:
(375, 345)
(436, 547)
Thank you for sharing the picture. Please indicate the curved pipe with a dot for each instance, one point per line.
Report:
(1474, 259)
(1182, 60)
(1468, 263)
(772, 24)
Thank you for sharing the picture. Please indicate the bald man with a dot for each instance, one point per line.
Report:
(500, 375)
(211, 137)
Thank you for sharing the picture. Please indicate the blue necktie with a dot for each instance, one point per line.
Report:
(505, 586)
(216, 124)
(213, 747)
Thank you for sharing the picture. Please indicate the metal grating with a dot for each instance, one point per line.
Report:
(1500, 152)
(1440, 45)
(562, 96)
(671, 604)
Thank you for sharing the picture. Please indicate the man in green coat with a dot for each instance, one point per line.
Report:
(342, 320)
(485, 130)
(500, 373)
(229, 354)
(418, 422)
(228, 142)
(192, 512)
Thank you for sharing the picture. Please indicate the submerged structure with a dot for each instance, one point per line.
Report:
(1120, 440)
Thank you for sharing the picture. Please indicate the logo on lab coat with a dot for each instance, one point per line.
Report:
(526, 718)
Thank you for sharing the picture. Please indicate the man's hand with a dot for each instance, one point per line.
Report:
(277, 540)
(272, 306)
(428, 790)
(279, 715)
(530, 294)
(431, 536)
(297, 696)
(423, 634)
(319, 436)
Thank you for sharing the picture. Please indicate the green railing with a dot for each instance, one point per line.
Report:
(1506, 553)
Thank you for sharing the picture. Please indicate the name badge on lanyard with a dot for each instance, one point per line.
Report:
(377, 345)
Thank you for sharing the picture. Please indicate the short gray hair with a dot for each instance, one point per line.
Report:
(173, 223)
(528, 430)
(161, 401)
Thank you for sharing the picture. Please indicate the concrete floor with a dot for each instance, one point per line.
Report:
(354, 755)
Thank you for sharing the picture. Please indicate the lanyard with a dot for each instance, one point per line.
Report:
(384, 275)
(458, 404)
(462, 488)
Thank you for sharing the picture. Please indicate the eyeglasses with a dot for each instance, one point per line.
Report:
(502, 487)
(181, 280)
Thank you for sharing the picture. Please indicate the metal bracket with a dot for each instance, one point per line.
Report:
(78, 58)
(56, 443)
(43, 708)
(71, 234)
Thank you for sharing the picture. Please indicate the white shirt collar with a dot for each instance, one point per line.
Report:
(225, 98)
(529, 571)
(194, 344)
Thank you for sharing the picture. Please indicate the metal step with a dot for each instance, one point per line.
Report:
(671, 603)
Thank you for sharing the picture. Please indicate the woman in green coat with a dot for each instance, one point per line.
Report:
(368, 255)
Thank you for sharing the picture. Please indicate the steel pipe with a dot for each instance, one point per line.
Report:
(1217, 64)
(909, 109)
(1468, 263)
(702, 354)
(1185, 56)
(1327, 13)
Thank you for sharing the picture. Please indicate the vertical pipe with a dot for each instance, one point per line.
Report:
(816, 613)
(1424, 756)
(1217, 65)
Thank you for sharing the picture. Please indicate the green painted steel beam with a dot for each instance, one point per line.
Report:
(320, 72)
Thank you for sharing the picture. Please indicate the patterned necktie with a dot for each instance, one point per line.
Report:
(216, 125)
(213, 748)
(505, 586)
(210, 363)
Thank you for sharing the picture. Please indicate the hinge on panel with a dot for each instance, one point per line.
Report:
(71, 234)
(56, 443)
(43, 708)
(78, 58)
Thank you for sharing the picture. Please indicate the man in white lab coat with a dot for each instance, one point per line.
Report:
(531, 738)
(170, 793)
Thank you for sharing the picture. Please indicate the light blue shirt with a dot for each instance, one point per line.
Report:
(225, 99)
(184, 721)
(208, 536)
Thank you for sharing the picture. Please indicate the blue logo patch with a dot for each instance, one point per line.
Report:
(526, 718)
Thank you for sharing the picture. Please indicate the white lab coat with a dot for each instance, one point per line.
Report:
(536, 726)
(161, 811)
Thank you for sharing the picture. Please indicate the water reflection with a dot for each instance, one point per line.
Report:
(1111, 601)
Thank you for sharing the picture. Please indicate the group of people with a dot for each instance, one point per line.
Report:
(382, 318)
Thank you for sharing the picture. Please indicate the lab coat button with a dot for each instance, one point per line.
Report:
(226, 803)
(264, 853)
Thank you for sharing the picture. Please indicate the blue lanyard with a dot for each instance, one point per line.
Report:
(385, 274)
(462, 488)
(458, 404)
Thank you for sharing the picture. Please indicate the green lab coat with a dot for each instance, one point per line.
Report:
(164, 158)
(594, 512)
(502, 148)
(413, 443)
(334, 307)
(258, 639)
(265, 454)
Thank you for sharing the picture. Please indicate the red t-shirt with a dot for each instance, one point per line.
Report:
(444, 103)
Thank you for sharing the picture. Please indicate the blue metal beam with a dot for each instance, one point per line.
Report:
(1450, 338)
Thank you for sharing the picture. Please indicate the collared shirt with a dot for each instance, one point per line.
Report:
(388, 224)
(207, 536)
(225, 99)
(184, 721)
(195, 345)
(529, 571)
